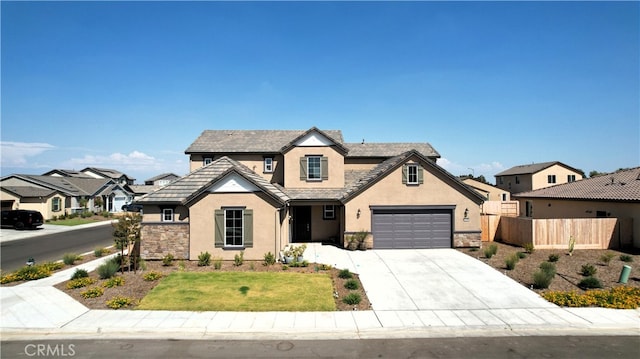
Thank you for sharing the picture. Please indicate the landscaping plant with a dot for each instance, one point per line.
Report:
(204, 259)
(588, 270)
(553, 257)
(626, 258)
(606, 258)
(79, 273)
(351, 284)
(352, 298)
(511, 261)
(572, 244)
(108, 269)
(490, 251)
(542, 278)
(238, 259)
(345, 274)
(167, 260)
(70, 258)
(92, 292)
(590, 283)
(269, 259)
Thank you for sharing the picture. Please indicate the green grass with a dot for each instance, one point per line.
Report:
(241, 292)
(73, 221)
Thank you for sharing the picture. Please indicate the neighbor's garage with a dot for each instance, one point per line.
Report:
(415, 227)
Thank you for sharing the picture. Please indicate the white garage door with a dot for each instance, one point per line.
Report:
(412, 228)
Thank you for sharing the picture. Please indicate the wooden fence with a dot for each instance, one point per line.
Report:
(589, 233)
(502, 208)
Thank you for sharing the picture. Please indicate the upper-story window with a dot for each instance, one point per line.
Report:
(571, 178)
(412, 174)
(167, 215)
(517, 180)
(314, 168)
(551, 179)
(207, 160)
(268, 164)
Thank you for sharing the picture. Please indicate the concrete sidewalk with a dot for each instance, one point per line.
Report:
(38, 310)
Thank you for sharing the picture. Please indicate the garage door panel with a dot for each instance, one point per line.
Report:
(421, 228)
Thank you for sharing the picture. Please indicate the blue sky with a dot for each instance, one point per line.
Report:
(491, 85)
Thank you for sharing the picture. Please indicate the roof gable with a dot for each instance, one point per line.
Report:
(233, 183)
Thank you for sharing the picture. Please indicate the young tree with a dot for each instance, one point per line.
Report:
(126, 234)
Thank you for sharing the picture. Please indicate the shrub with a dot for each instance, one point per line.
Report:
(92, 292)
(118, 302)
(204, 259)
(217, 263)
(521, 255)
(252, 266)
(167, 260)
(542, 278)
(351, 284)
(622, 297)
(108, 269)
(352, 299)
(80, 282)
(548, 268)
(528, 247)
(51, 266)
(554, 257)
(606, 258)
(34, 272)
(590, 283)
(70, 258)
(511, 261)
(588, 270)
(626, 258)
(79, 273)
(99, 252)
(345, 274)
(490, 251)
(238, 259)
(269, 259)
(285, 267)
(151, 276)
(113, 282)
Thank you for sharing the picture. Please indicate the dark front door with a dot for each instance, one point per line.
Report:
(302, 224)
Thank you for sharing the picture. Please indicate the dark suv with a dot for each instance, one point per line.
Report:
(21, 219)
(132, 207)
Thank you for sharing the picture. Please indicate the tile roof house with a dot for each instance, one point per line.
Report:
(161, 179)
(535, 176)
(259, 191)
(115, 175)
(612, 195)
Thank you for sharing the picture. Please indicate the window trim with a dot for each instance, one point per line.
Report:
(207, 160)
(242, 228)
(414, 168)
(170, 212)
(571, 178)
(268, 165)
(319, 167)
(551, 179)
(56, 204)
(329, 212)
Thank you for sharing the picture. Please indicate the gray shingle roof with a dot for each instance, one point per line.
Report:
(161, 176)
(71, 186)
(25, 191)
(250, 141)
(532, 168)
(389, 149)
(182, 190)
(618, 186)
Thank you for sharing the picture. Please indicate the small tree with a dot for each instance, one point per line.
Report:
(97, 201)
(126, 233)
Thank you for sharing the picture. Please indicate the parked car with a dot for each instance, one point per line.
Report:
(132, 207)
(21, 219)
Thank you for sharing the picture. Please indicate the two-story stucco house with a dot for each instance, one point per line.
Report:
(535, 176)
(259, 191)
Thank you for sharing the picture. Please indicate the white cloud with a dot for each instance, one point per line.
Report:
(135, 160)
(16, 154)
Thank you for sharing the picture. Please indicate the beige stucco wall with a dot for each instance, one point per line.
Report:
(540, 179)
(153, 214)
(494, 193)
(6, 196)
(552, 208)
(324, 229)
(292, 168)
(361, 164)
(390, 191)
(254, 161)
(267, 229)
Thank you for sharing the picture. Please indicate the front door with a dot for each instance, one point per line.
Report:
(301, 224)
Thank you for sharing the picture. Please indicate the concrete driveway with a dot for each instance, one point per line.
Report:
(429, 279)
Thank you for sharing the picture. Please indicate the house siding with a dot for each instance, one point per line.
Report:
(561, 173)
(292, 168)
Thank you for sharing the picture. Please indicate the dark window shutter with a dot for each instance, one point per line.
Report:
(303, 168)
(248, 228)
(219, 228)
(405, 174)
(324, 168)
(420, 175)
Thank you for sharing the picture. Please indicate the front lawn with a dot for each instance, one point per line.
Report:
(241, 291)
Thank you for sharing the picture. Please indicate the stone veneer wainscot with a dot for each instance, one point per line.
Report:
(160, 239)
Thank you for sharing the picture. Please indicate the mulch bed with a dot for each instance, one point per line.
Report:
(568, 267)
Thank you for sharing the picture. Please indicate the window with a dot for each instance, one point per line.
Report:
(412, 174)
(268, 164)
(234, 228)
(207, 160)
(571, 178)
(528, 209)
(167, 215)
(501, 180)
(313, 168)
(504, 196)
(55, 204)
(517, 180)
(551, 179)
(329, 212)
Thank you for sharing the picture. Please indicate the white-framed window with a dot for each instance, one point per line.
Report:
(56, 204)
(268, 164)
(571, 178)
(551, 179)
(412, 174)
(314, 168)
(329, 212)
(167, 215)
(208, 160)
(233, 228)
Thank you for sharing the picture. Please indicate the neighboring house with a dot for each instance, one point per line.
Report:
(140, 190)
(117, 176)
(535, 176)
(259, 191)
(161, 180)
(612, 195)
(488, 191)
(55, 195)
